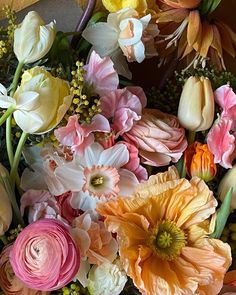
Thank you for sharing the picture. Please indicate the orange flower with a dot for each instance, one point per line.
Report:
(183, 29)
(230, 278)
(162, 233)
(199, 161)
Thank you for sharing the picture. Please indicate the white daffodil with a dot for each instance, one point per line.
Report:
(33, 39)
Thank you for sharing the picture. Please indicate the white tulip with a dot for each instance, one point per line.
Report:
(33, 39)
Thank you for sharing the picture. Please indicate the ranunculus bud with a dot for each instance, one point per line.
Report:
(228, 181)
(199, 161)
(44, 256)
(5, 205)
(33, 39)
(196, 105)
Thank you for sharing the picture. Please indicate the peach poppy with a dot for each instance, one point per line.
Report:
(162, 233)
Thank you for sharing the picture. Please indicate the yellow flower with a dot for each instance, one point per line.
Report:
(33, 39)
(196, 105)
(162, 233)
(40, 102)
(113, 6)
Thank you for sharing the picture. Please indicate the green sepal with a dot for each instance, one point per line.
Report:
(208, 6)
(222, 215)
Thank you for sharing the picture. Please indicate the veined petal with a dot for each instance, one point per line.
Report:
(29, 122)
(226, 38)
(28, 101)
(6, 102)
(207, 38)
(128, 182)
(116, 156)
(194, 27)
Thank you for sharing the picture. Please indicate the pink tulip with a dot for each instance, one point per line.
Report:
(9, 283)
(159, 138)
(44, 255)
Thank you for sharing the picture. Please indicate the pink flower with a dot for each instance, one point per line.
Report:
(159, 138)
(123, 107)
(44, 255)
(134, 162)
(221, 142)
(40, 203)
(107, 140)
(9, 283)
(226, 99)
(100, 78)
(77, 136)
(65, 208)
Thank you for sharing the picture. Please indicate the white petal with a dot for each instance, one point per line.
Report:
(137, 31)
(84, 201)
(3, 90)
(92, 155)
(28, 101)
(83, 272)
(6, 102)
(33, 178)
(128, 182)
(29, 122)
(139, 52)
(120, 64)
(116, 156)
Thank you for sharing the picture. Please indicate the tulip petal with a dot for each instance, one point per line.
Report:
(28, 101)
(3, 90)
(6, 102)
(29, 122)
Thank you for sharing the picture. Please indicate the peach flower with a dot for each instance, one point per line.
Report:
(162, 231)
(9, 283)
(159, 138)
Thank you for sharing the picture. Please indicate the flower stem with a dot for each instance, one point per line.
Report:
(20, 146)
(191, 137)
(16, 78)
(8, 112)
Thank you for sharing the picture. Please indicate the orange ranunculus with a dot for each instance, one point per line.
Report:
(183, 29)
(162, 233)
(199, 161)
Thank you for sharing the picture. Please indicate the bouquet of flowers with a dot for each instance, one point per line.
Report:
(106, 187)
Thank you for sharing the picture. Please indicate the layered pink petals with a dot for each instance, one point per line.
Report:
(78, 136)
(226, 99)
(40, 204)
(9, 283)
(123, 107)
(159, 138)
(44, 255)
(221, 142)
(100, 78)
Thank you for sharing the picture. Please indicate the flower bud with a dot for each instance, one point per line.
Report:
(5, 204)
(33, 39)
(196, 106)
(228, 181)
(199, 161)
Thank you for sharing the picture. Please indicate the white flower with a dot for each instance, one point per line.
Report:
(95, 177)
(33, 39)
(106, 279)
(123, 34)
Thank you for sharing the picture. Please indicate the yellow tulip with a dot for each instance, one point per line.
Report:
(33, 39)
(228, 181)
(113, 6)
(196, 106)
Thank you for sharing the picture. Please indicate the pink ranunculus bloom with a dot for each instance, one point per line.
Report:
(40, 204)
(221, 142)
(226, 99)
(159, 138)
(134, 162)
(45, 256)
(65, 208)
(9, 283)
(123, 107)
(100, 78)
(78, 136)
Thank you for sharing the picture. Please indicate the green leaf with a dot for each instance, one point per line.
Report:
(222, 215)
(208, 6)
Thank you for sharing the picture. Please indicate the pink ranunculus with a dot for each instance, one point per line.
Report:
(123, 107)
(226, 99)
(159, 138)
(45, 256)
(100, 78)
(65, 208)
(40, 204)
(78, 136)
(134, 162)
(9, 283)
(221, 142)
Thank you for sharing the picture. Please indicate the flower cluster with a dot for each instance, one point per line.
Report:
(107, 194)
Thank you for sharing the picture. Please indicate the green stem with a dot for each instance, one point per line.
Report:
(8, 112)
(4, 240)
(8, 140)
(16, 78)
(20, 146)
(191, 137)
